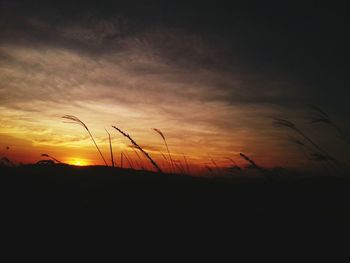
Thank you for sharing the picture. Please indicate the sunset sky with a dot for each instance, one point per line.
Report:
(211, 77)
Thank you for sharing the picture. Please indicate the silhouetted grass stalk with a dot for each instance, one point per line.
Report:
(49, 156)
(232, 161)
(292, 126)
(245, 157)
(75, 120)
(138, 156)
(217, 169)
(321, 116)
(326, 156)
(139, 147)
(303, 148)
(163, 155)
(110, 147)
(187, 166)
(166, 145)
(179, 166)
(128, 159)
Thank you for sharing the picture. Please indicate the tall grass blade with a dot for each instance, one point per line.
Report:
(166, 145)
(128, 159)
(253, 164)
(110, 147)
(49, 156)
(187, 166)
(139, 147)
(75, 120)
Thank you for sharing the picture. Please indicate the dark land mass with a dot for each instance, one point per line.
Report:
(77, 209)
(39, 197)
(114, 190)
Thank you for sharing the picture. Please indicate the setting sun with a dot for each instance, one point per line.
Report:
(78, 162)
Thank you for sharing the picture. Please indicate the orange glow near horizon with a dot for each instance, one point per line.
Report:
(83, 153)
(78, 162)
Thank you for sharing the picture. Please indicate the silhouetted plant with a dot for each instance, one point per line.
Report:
(138, 156)
(179, 166)
(163, 155)
(296, 141)
(166, 145)
(287, 124)
(49, 156)
(75, 120)
(6, 162)
(252, 163)
(167, 162)
(326, 156)
(45, 162)
(139, 147)
(110, 147)
(321, 157)
(245, 157)
(187, 166)
(209, 168)
(217, 168)
(234, 168)
(127, 158)
(233, 162)
(320, 116)
(215, 164)
(304, 148)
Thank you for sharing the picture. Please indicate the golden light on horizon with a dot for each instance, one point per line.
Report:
(78, 162)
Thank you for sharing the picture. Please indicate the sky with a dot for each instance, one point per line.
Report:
(211, 76)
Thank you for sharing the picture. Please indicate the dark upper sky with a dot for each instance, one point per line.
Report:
(305, 43)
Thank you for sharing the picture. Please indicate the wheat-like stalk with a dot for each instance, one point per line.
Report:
(245, 157)
(187, 166)
(166, 145)
(303, 147)
(179, 166)
(215, 164)
(49, 156)
(209, 168)
(7, 162)
(234, 164)
(320, 116)
(287, 124)
(138, 156)
(128, 159)
(110, 147)
(75, 120)
(139, 148)
(253, 164)
(232, 161)
(321, 157)
(163, 155)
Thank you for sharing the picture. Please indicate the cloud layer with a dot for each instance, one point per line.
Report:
(112, 70)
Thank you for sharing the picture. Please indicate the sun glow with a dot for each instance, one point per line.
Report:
(78, 162)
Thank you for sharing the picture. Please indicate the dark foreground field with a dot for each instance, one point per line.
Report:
(31, 190)
(73, 205)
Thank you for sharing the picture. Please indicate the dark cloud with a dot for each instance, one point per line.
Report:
(304, 45)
